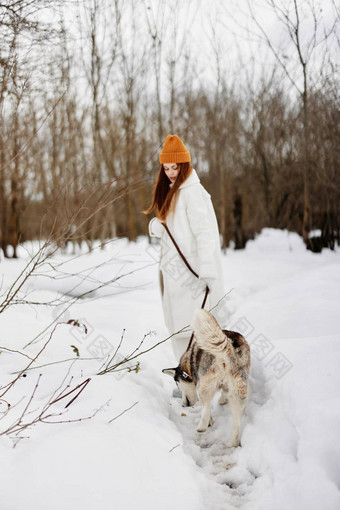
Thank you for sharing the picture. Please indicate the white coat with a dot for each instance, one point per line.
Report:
(194, 227)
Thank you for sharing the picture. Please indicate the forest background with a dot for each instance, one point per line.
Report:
(89, 89)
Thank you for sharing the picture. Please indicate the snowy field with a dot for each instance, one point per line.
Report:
(285, 300)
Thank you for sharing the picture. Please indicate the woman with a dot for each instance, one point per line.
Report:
(180, 201)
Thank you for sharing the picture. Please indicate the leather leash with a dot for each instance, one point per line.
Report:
(207, 290)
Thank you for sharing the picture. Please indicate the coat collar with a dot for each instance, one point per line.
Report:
(192, 179)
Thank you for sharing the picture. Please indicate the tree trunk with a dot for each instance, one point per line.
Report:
(14, 196)
(306, 167)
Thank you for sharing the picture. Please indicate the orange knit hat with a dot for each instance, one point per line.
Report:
(174, 151)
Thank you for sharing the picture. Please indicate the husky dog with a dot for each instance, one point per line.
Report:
(216, 359)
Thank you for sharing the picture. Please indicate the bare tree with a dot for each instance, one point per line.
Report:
(292, 17)
(156, 22)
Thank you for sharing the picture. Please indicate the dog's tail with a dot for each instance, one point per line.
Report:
(209, 335)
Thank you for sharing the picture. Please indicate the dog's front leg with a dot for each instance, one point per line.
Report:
(206, 418)
(223, 397)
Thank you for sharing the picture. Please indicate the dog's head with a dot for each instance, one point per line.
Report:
(185, 384)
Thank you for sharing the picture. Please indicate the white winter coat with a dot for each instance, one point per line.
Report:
(194, 226)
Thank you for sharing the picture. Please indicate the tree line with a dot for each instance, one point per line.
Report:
(90, 89)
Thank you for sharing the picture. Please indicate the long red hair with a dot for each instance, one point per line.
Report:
(164, 196)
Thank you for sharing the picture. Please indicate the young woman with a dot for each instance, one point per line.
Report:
(180, 201)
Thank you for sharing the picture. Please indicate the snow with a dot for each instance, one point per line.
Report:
(140, 449)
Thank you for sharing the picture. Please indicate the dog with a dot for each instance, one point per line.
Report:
(215, 359)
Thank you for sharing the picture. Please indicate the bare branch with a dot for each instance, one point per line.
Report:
(123, 412)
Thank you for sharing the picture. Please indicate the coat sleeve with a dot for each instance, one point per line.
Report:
(203, 225)
(156, 229)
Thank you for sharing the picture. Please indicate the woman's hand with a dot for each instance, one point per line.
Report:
(155, 228)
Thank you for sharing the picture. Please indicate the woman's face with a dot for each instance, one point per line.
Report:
(171, 171)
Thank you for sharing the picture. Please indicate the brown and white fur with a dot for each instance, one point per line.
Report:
(216, 359)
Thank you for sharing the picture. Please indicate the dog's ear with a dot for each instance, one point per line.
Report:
(169, 371)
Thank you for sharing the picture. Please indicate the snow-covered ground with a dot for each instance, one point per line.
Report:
(285, 300)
